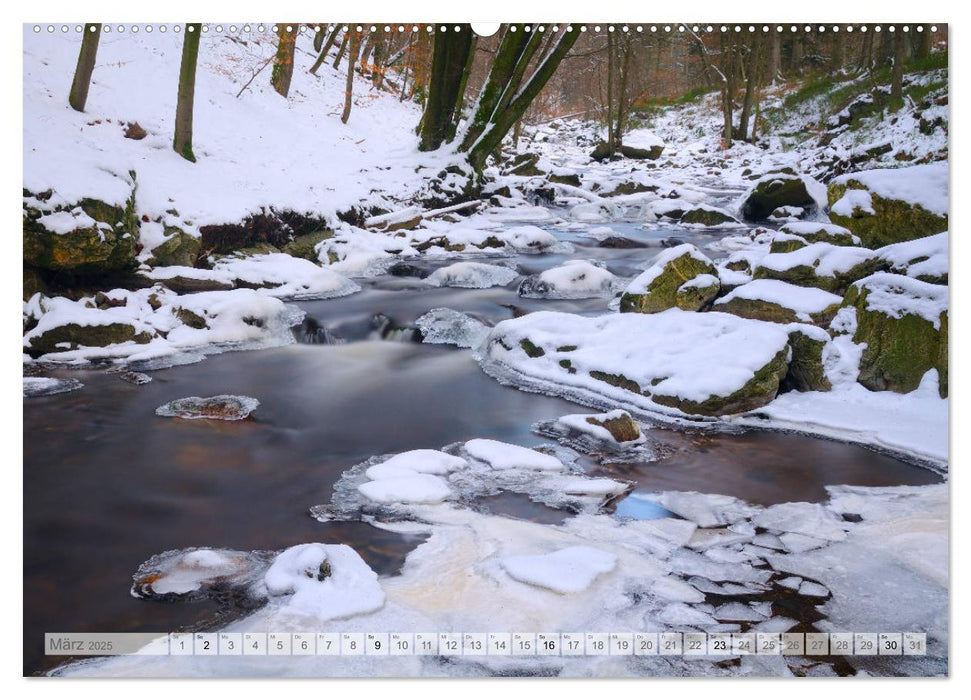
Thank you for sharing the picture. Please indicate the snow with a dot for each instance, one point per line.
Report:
(471, 275)
(642, 138)
(703, 509)
(802, 228)
(896, 296)
(922, 256)
(501, 455)
(912, 424)
(803, 300)
(242, 144)
(414, 488)
(568, 570)
(922, 185)
(352, 588)
(581, 423)
(666, 354)
(574, 279)
(62, 222)
(528, 238)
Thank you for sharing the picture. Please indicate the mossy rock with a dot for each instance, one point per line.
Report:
(630, 187)
(622, 428)
(74, 336)
(757, 392)
(250, 251)
(602, 152)
(899, 351)
(706, 217)
(524, 164)
(179, 248)
(770, 193)
(893, 220)
(617, 380)
(692, 296)
(763, 310)
(107, 246)
(805, 371)
(33, 283)
(662, 292)
(572, 180)
(530, 348)
(825, 234)
(304, 246)
(806, 275)
(191, 318)
(786, 244)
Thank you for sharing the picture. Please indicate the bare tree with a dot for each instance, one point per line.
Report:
(86, 59)
(325, 49)
(187, 88)
(355, 45)
(897, 74)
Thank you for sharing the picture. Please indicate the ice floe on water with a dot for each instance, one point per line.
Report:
(222, 407)
(449, 327)
(48, 386)
(471, 275)
(567, 570)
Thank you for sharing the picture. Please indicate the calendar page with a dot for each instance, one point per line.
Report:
(390, 349)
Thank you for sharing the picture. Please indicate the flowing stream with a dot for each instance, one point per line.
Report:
(107, 483)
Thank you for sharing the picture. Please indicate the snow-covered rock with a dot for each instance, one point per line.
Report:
(575, 279)
(779, 302)
(471, 275)
(656, 289)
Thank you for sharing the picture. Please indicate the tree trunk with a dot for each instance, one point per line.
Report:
(343, 49)
(283, 62)
(897, 74)
(86, 59)
(866, 52)
(517, 105)
(449, 59)
(503, 80)
(839, 51)
(728, 91)
(355, 42)
(797, 54)
(187, 88)
(923, 48)
(775, 58)
(460, 96)
(754, 56)
(623, 103)
(611, 138)
(324, 51)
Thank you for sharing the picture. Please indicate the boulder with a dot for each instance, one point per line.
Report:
(523, 164)
(305, 246)
(903, 322)
(822, 265)
(707, 216)
(780, 302)
(782, 188)
(925, 259)
(806, 371)
(697, 293)
(90, 237)
(656, 289)
(820, 232)
(179, 248)
(650, 362)
(891, 205)
(71, 336)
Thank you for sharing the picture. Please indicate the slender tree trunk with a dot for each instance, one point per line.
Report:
(449, 59)
(355, 43)
(838, 58)
(866, 52)
(775, 58)
(187, 88)
(897, 74)
(324, 51)
(86, 59)
(623, 102)
(343, 49)
(460, 96)
(318, 38)
(923, 48)
(283, 62)
(728, 91)
(517, 106)
(751, 84)
(503, 80)
(797, 54)
(611, 137)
